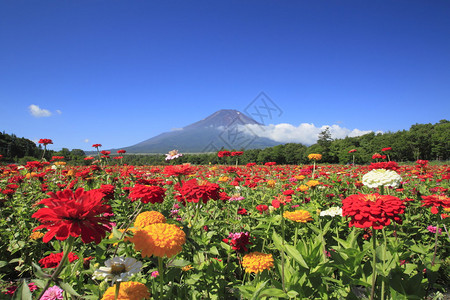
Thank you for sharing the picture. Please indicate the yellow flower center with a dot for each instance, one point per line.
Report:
(118, 268)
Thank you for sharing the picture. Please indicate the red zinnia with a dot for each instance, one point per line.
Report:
(191, 191)
(352, 151)
(52, 260)
(261, 208)
(372, 210)
(386, 149)
(76, 213)
(223, 153)
(121, 151)
(435, 201)
(237, 153)
(147, 193)
(45, 141)
(96, 145)
(179, 170)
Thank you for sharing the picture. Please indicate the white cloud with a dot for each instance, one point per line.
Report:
(176, 129)
(304, 133)
(86, 140)
(58, 112)
(39, 112)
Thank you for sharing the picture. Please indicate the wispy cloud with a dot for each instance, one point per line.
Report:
(86, 140)
(38, 112)
(304, 133)
(58, 112)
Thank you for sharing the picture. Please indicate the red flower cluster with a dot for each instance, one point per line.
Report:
(147, 193)
(105, 152)
(261, 208)
(96, 145)
(436, 201)
(191, 191)
(45, 141)
(372, 210)
(237, 153)
(76, 213)
(238, 241)
(270, 163)
(121, 151)
(178, 170)
(378, 155)
(388, 165)
(386, 149)
(223, 153)
(52, 260)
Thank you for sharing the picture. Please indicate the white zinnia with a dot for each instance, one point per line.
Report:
(118, 268)
(381, 177)
(332, 212)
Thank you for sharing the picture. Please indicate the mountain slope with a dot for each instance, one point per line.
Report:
(219, 130)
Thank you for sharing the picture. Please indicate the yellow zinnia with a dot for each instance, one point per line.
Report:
(160, 239)
(148, 218)
(36, 235)
(313, 183)
(302, 216)
(256, 262)
(271, 183)
(303, 188)
(315, 156)
(129, 290)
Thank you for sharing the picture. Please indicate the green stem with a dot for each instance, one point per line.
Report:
(282, 250)
(116, 294)
(161, 279)
(374, 263)
(435, 243)
(60, 267)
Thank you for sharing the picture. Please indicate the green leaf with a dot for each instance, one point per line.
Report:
(272, 292)
(278, 241)
(179, 263)
(3, 263)
(22, 292)
(38, 271)
(214, 250)
(418, 249)
(66, 287)
(293, 252)
(258, 290)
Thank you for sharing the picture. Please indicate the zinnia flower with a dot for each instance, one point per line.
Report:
(299, 216)
(372, 210)
(147, 193)
(118, 268)
(315, 156)
(436, 201)
(238, 241)
(53, 293)
(128, 291)
(256, 262)
(45, 141)
(148, 218)
(73, 214)
(192, 191)
(173, 154)
(52, 260)
(332, 212)
(160, 239)
(381, 177)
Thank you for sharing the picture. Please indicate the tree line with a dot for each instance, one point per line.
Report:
(421, 141)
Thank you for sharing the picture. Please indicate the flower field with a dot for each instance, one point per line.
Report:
(270, 231)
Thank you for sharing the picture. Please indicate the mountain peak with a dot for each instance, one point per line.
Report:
(223, 118)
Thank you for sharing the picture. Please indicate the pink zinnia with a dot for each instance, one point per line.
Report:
(53, 293)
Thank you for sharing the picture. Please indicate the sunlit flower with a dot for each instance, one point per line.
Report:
(118, 268)
(381, 177)
(256, 262)
(149, 217)
(372, 210)
(299, 216)
(36, 235)
(52, 260)
(79, 213)
(187, 268)
(313, 183)
(332, 212)
(147, 193)
(173, 154)
(436, 201)
(315, 156)
(160, 239)
(53, 293)
(45, 141)
(271, 183)
(129, 290)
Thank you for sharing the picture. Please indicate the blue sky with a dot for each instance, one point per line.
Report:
(118, 72)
